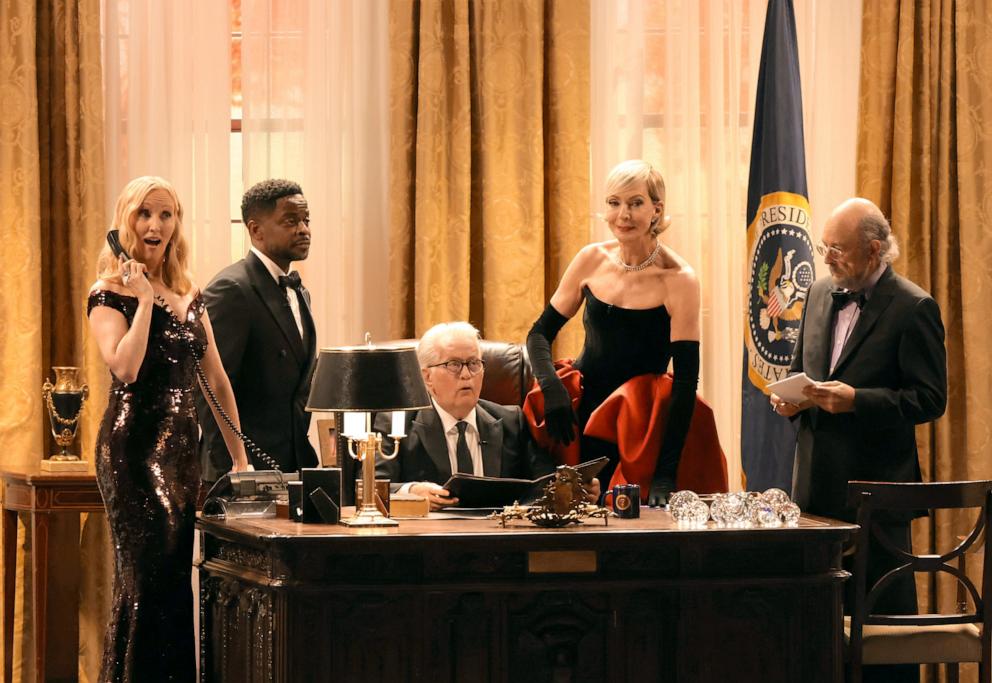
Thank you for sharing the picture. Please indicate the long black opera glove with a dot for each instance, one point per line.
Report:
(558, 414)
(685, 365)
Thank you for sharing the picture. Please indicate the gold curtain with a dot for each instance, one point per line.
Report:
(925, 156)
(52, 213)
(489, 161)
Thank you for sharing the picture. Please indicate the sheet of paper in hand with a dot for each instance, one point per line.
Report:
(791, 388)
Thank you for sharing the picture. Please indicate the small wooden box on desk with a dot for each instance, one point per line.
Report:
(408, 505)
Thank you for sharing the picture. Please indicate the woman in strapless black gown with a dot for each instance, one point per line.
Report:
(151, 326)
(642, 310)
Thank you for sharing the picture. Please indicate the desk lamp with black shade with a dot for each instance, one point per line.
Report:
(359, 381)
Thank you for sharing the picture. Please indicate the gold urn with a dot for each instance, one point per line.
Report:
(64, 401)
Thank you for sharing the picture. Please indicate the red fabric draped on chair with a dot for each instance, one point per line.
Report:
(634, 417)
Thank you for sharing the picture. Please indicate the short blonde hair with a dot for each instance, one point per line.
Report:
(175, 267)
(633, 171)
(429, 346)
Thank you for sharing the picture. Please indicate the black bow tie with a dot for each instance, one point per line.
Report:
(842, 297)
(291, 280)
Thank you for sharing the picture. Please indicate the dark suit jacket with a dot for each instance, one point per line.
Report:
(507, 448)
(269, 365)
(896, 362)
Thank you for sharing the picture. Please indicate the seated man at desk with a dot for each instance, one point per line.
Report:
(460, 432)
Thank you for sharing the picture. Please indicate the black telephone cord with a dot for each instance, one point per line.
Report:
(253, 449)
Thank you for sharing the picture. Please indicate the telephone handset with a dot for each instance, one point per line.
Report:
(114, 241)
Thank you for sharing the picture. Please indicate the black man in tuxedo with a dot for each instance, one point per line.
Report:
(262, 320)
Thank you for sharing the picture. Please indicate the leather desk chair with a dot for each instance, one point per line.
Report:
(947, 636)
(508, 375)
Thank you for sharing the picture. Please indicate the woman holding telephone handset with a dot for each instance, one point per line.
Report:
(151, 326)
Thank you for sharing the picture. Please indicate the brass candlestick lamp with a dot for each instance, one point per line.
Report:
(360, 380)
(64, 401)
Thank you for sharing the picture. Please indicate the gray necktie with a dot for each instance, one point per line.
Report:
(461, 450)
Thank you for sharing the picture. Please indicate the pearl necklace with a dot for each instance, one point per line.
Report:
(652, 257)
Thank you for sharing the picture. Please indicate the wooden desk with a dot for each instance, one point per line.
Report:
(464, 600)
(54, 502)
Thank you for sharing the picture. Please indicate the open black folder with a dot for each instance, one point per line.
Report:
(473, 491)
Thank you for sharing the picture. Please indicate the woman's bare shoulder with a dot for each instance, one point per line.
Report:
(193, 291)
(588, 258)
(599, 249)
(673, 264)
(678, 274)
(597, 252)
(108, 286)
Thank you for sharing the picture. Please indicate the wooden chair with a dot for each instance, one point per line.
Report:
(946, 637)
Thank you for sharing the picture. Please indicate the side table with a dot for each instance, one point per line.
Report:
(54, 502)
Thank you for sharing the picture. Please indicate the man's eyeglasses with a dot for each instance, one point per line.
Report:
(834, 252)
(475, 366)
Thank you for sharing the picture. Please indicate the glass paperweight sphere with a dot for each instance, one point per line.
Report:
(732, 509)
(742, 509)
(738, 510)
(754, 502)
(681, 499)
(790, 513)
(767, 516)
(699, 513)
(776, 497)
(687, 509)
(718, 509)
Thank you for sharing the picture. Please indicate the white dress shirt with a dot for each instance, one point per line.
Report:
(847, 318)
(292, 296)
(450, 426)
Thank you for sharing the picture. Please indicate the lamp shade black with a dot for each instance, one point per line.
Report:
(367, 379)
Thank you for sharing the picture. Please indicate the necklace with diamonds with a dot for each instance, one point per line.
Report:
(652, 257)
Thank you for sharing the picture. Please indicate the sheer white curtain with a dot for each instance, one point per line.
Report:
(167, 112)
(830, 66)
(673, 82)
(167, 85)
(315, 88)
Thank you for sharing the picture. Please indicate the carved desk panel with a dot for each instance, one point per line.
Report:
(465, 600)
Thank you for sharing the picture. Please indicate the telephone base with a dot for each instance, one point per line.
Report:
(239, 509)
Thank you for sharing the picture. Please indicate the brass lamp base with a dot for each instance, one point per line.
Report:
(369, 517)
(53, 465)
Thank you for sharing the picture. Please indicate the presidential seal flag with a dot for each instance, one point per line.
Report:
(779, 250)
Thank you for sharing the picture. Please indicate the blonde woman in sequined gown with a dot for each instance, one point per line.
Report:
(151, 326)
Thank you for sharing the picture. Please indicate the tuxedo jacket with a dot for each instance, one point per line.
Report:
(896, 362)
(269, 364)
(507, 447)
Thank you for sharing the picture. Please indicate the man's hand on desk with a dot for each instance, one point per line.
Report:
(438, 497)
(592, 491)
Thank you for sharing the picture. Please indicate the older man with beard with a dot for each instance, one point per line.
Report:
(873, 343)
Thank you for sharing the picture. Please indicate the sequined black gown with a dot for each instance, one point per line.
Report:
(149, 475)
